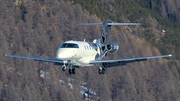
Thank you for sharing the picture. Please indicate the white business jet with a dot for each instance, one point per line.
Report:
(72, 54)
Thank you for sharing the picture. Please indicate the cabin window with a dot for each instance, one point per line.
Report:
(93, 46)
(69, 45)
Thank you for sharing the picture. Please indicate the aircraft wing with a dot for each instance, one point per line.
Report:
(38, 59)
(120, 62)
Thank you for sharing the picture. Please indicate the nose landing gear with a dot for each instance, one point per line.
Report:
(72, 71)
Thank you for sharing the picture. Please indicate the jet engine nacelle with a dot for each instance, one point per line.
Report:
(112, 47)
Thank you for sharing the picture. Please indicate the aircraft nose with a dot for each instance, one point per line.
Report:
(60, 54)
(63, 54)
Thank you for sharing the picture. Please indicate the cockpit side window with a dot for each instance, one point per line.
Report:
(64, 45)
(72, 46)
(69, 45)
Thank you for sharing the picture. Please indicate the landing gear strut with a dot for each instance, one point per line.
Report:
(63, 68)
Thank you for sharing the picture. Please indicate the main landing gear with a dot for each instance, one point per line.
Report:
(71, 70)
(102, 70)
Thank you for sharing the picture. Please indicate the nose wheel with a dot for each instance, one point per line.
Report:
(72, 71)
(66, 66)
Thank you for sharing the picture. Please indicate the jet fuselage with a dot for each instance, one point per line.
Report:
(79, 52)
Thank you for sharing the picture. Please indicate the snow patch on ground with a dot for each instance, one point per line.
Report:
(44, 75)
(71, 86)
(86, 92)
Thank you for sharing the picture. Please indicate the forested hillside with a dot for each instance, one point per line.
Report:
(38, 27)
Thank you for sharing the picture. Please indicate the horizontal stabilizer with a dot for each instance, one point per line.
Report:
(125, 23)
(91, 24)
(111, 23)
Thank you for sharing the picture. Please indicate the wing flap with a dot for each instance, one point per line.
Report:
(38, 59)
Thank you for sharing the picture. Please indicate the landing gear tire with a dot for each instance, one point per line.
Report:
(103, 71)
(70, 71)
(63, 68)
(73, 71)
(100, 71)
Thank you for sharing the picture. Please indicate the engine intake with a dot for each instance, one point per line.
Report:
(112, 47)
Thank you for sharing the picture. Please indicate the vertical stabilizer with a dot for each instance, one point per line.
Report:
(106, 32)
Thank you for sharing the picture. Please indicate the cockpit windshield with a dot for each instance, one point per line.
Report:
(69, 45)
